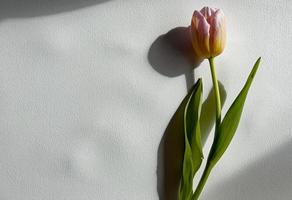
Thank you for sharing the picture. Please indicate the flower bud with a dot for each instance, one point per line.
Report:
(208, 32)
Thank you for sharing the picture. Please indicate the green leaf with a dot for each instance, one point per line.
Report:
(231, 120)
(192, 125)
(193, 149)
(186, 187)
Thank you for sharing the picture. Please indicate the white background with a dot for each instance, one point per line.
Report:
(85, 100)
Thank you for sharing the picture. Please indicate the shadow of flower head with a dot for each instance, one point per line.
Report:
(172, 55)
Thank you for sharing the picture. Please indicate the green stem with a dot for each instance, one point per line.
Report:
(202, 182)
(209, 166)
(216, 92)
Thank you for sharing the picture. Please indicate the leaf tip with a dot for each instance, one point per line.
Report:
(200, 82)
(257, 63)
(255, 67)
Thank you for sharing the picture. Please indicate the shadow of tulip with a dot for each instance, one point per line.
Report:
(33, 8)
(268, 178)
(172, 55)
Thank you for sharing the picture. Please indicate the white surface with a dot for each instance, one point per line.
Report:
(83, 111)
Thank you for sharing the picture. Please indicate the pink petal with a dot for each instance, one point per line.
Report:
(200, 32)
(218, 18)
(201, 23)
(207, 12)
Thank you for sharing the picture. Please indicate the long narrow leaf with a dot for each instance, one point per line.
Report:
(193, 148)
(231, 120)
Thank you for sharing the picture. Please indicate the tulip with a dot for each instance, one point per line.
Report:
(208, 36)
(208, 32)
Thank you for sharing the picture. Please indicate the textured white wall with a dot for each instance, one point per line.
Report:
(86, 95)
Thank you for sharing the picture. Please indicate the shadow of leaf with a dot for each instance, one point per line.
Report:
(170, 155)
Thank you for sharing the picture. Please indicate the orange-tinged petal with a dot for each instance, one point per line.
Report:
(217, 33)
(208, 32)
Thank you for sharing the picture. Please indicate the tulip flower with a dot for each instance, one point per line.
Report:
(208, 32)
